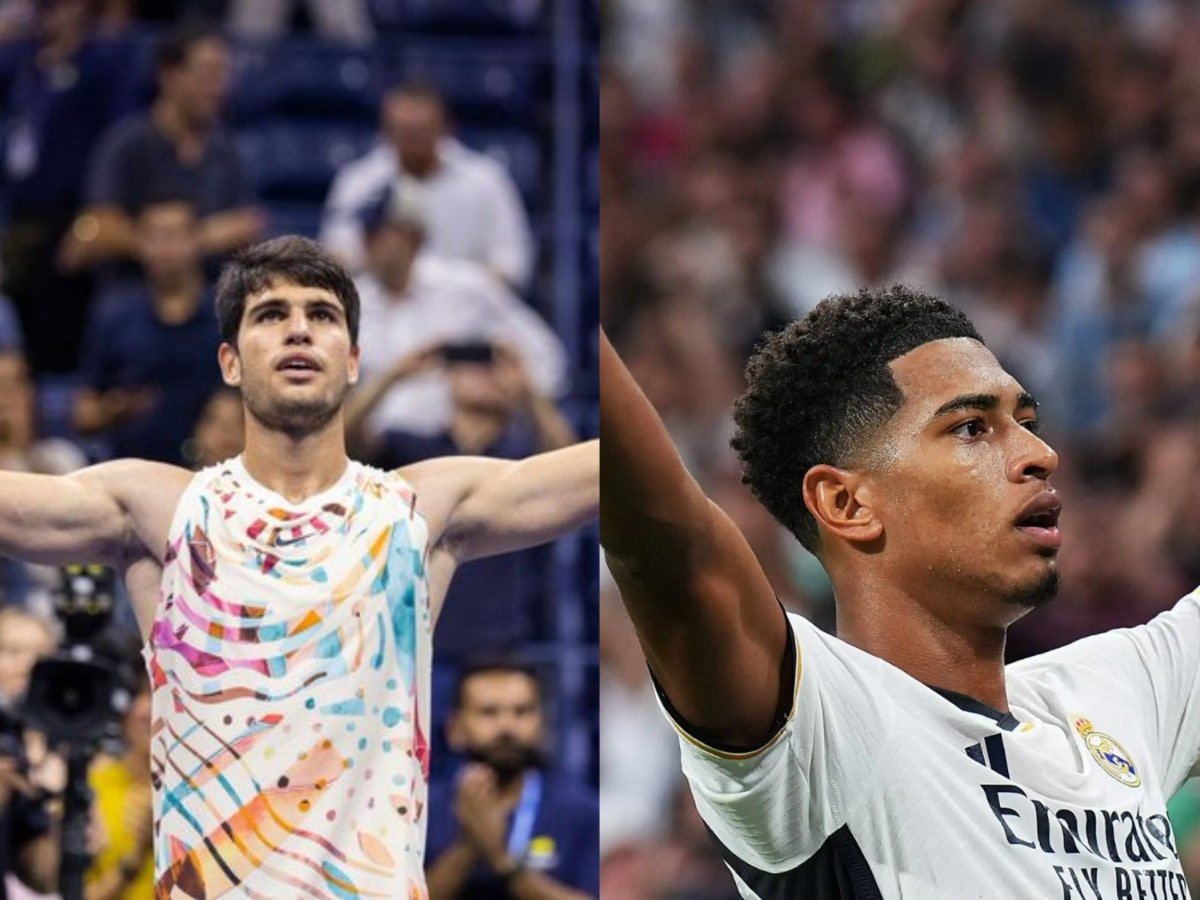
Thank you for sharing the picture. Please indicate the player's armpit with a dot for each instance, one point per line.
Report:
(482, 507)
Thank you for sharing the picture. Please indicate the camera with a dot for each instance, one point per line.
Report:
(76, 697)
(78, 694)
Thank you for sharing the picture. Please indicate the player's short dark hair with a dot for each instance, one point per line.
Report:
(819, 390)
(493, 665)
(292, 259)
(172, 50)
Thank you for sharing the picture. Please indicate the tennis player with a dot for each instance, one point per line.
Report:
(287, 597)
(902, 758)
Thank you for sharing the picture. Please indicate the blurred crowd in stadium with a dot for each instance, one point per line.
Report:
(1037, 164)
(440, 151)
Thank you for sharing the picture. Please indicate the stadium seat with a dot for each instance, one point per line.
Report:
(295, 161)
(591, 177)
(517, 151)
(479, 82)
(305, 78)
(294, 218)
(486, 17)
(589, 103)
(56, 402)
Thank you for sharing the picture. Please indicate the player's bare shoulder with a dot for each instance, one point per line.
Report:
(440, 484)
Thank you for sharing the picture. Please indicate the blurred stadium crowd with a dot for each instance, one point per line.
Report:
(440, 149)
(1037, 164)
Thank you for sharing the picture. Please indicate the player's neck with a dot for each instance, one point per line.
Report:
(295, 467)
(956, 656)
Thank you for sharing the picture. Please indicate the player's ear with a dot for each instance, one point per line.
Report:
(230, 363)
(842, 503)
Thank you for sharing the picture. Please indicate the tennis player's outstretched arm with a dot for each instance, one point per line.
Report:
(117, 513)
(707, 618)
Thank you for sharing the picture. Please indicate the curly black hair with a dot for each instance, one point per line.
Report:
(819, 390)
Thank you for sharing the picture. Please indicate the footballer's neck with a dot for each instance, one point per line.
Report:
(936, 649)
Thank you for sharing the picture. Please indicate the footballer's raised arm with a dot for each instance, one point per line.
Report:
(709, 623)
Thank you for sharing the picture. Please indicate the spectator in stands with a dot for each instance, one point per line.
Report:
(28, 844)
(412, 300)
(123, 869)
(22, 451)
(11, 337)
(25, 637)
(505, 827)
(179, 148)
(475, 212)
(149, 367)
(65, 90)
(345, 21)
(20, 448)
(639, 766)
(497, 412)
(220, 432)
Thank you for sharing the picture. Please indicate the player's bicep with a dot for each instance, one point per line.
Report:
(60, 519)
(715, 636)
(482, 507)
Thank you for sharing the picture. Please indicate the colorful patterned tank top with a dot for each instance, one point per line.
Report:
(290, 661)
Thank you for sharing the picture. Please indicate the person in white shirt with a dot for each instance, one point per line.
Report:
(902, 758)
(475, 212)
(413, 300)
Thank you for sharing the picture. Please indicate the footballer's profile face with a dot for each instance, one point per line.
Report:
(964, 481)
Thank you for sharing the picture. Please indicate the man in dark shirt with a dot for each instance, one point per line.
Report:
(148, 367)
(504, 827)
(59, 92)
(179, 148)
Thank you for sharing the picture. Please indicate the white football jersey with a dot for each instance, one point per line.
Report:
(879, 786)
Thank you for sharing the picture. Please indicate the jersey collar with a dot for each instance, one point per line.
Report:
(1005, 720)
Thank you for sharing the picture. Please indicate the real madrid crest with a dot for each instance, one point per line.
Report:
(1109, 753)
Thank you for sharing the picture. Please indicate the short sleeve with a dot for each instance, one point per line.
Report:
(1157, 666)
(776, 805)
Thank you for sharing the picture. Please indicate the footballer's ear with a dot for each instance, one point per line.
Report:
(842, 502)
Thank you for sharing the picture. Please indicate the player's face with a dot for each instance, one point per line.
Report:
(500, 721)
(294, 360)
(962, 475)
